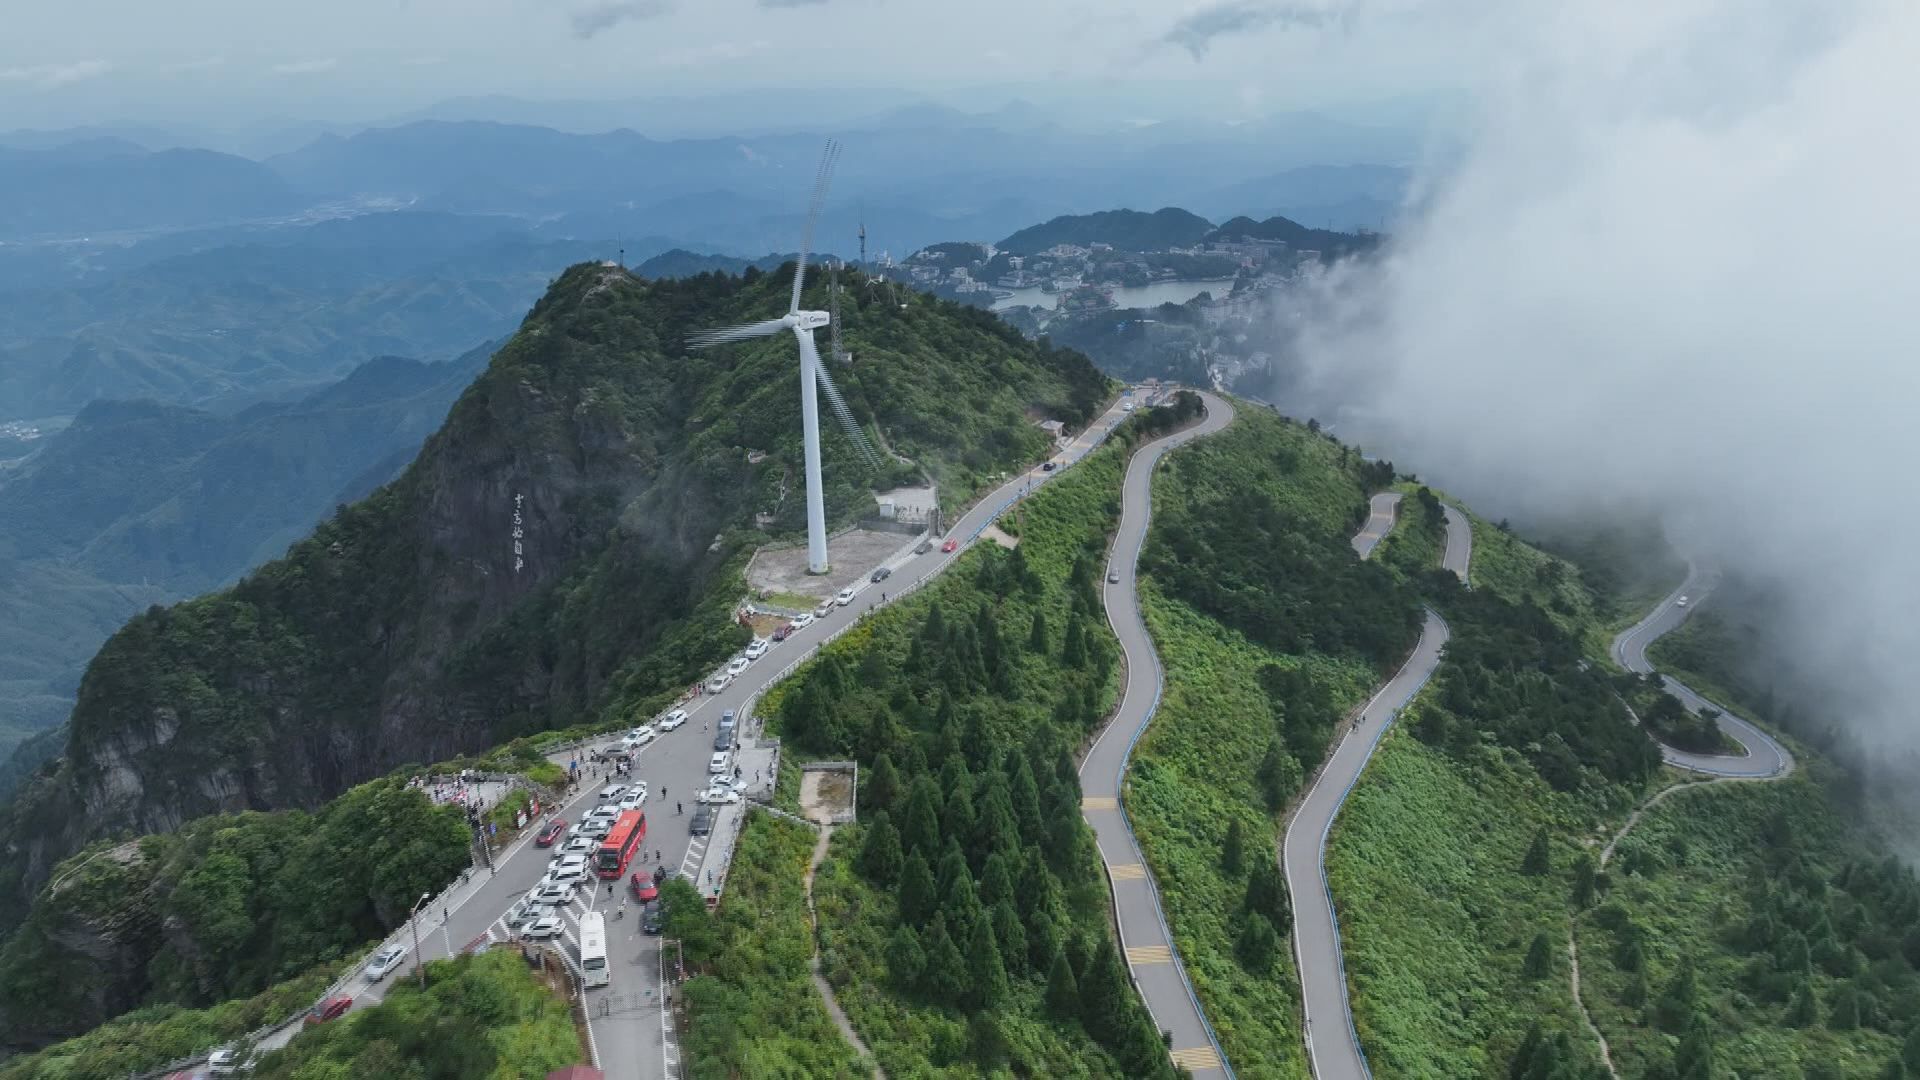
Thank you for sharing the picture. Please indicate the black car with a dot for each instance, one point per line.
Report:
(923, 547)
(651, 918)
(702, 822)
(1048, 467)
(881, 574)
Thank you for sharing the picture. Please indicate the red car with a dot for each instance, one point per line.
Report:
(331, 1009)
(780, 632)
(643, 890)
(554, 831)
(949, 545)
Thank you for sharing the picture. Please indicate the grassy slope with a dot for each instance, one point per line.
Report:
(1194, 769)
(756, 1013)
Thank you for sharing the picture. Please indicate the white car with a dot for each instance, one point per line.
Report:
(821, 611)
(673, 720)
(1682, 602)
(756, 649)
(803, 620)
(719, 682)
(579, 845)
(546, 926)
(549, 895)
(571, 876)
(718, 794)
(642, 735)
(843, 597)
(567, 862)
(385, 961)
(226, 1061)
(596, 828)
(737, 665)
(1128, 407)
(632, 800)
(607, 811)
(612, 792)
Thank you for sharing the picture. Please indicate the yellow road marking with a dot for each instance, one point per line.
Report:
(1149, 954)
(1127, 871)
(1099, 802)
(1198, 1057)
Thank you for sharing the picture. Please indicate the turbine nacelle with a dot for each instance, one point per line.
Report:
(808, 320)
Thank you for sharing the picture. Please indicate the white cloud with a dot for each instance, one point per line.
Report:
(1675, 267)
(306, 67)
(48, 76)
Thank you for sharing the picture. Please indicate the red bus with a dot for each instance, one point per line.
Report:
(617, 850)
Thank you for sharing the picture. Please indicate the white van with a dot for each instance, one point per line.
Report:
(594, 970)
(721, 762)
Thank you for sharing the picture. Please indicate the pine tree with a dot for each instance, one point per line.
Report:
(1011, 936)
(960, 821)
(1074, 654)
(880, 857)
(995, 832)
(1632, 955)
(1038, 892)
(1063, 992)
(1278, 775)
(1267, 893)
(1258, 944)
(996, 881)
(1539, 858)
(1694, 1059)
(1804, 1009)
(1043, 940)
(1232, 850)
(882, 786)
(1024, 795)
(1037, 642)
(1104, 992)
(920, 828)
(905, 962)
(1583, 881)
(1677, 1002)
(986, 972)
(1539, 962)
(946, 971)
(916, 890)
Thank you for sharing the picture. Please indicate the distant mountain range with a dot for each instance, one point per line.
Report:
(1126, 230)
(139, 503)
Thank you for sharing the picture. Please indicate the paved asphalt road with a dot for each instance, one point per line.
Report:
(1382, 509)
(627, 1020)
(1333, 1049)
(1764, 756)
(1143, 929)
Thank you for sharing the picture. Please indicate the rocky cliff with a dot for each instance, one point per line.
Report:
(429, 620)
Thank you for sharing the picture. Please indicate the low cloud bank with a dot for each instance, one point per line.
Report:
(1677, 266)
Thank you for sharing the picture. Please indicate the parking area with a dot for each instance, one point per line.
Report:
(855, 553)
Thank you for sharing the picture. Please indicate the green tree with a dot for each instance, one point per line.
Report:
(986, 972)
(945, 977)
(920, 830)
(1677, 1002)
(1279, 776)
(1583, 881)
(1037, 643)
(1267, 893)
(917, 898)
(906, 963)
(1539, 858)
(1539, 963)
(880, 857)
(883, 784)
(1233, 850)
(1258, 944)
(1011, 936)
(996, 881)
(1694, 1058)
(1104, 991)
(1804, 1008)
(1063, 992)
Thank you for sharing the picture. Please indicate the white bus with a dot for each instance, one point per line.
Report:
(593, 950)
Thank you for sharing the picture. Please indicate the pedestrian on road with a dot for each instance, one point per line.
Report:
(676, 809)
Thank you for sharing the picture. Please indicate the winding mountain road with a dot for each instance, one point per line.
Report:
(1144, 936)
(1763, 757)
(1334, 1050)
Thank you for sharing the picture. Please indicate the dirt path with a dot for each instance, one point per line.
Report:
(820, 981)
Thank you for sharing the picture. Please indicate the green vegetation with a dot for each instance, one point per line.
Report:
(224, 907)
(1328, 243)
(1752, 912)
(1419, 536)
(965, 922)
(1256, 605)
(485, 1017)
(1443, 898)
(151, 1037)
(753, 1006)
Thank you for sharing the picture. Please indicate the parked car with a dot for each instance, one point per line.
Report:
(825, 606)
(566, 875)
(554, 830)
(737, 665)
(719, 795)
(612, 792)
(579, 845)
(881, 574)
(673, 719)
(548, 895)
(651, 918)
(923, 547)
(644, 890)
(1048, 467)
(632, 800)
(718, 683)
(720, 762)
(546, 926)
(607, 811)
(527, 909)
(702, 822)
(756, 649)
(596, 827)
(226, 1061)
(783, 631)
(385, 961)
(844, 597)
(332, 1008)
(803, 620)
(949, 546)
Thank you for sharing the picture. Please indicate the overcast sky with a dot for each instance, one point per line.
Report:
(231, 62)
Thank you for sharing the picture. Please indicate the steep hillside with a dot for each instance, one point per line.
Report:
(138, 503)
(405, 629)
(1297, 236)
(1126, 230)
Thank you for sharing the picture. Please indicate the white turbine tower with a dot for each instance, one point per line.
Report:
(812, 371)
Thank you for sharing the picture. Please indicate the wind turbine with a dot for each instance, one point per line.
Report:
(812, 372)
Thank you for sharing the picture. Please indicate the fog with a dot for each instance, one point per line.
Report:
(1676, 265)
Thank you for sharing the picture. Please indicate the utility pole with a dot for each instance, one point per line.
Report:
(419, 962)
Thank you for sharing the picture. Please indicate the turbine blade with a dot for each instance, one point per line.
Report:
(822, 178)
(707, 339)
(839, 406)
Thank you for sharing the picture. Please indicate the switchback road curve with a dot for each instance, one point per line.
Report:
(1763, 756)
(1144, 937)
(1333, 1049)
